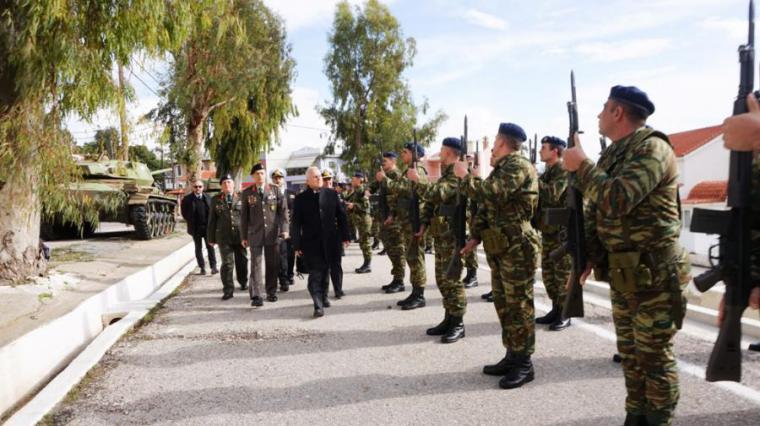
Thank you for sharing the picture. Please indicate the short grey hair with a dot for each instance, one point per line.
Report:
(313, 170)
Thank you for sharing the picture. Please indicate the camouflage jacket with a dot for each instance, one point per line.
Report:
(552, 193)
(440, 202)
(631, 196)
(401, 189)
(360, 201)
(390, 198)
(224, 220)
(507, 198)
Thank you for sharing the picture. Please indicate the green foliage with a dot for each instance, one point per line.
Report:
(372, 108)
(237, 50)
(142, 154)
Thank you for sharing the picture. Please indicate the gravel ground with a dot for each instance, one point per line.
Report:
(204, 361)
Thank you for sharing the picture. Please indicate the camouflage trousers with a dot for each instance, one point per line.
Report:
(376, 226)
(393, 243)
(645, 332)
(452, 291)
(471, 260)
(415, 254)
(555, 273)
(512, 279)
(363, 225)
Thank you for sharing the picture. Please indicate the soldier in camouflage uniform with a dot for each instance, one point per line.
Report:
(438, 216)
(552, 191)
(507, 200)
(632, 230)
(224, 230)
(390, 232)
(357, 205)
(402, 189)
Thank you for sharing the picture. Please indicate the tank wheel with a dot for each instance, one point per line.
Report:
(141, 221)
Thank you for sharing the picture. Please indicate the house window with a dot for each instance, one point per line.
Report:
(297, 171)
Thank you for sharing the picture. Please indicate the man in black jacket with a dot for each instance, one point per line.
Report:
(319, 227)
(195, 208)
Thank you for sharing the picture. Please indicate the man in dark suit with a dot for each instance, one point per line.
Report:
(224, 229)
(195, 210)
(263, 222)
(319, 227)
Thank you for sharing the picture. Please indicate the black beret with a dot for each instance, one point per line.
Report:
(634, 97)
(553, 140)
(224, 177)
(257, 167)
(454, 143)
(420, 150)
(512, 130)
(390, 154)
(359, 175)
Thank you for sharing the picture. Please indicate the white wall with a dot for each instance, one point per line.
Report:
(709, 162)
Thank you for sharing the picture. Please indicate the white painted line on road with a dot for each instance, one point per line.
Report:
(737, 389)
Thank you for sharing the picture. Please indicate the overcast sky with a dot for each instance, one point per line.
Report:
(510, 61)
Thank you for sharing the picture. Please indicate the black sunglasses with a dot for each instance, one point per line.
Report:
(198, 186)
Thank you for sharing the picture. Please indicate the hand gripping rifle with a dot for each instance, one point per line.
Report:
(414, 213)
(572, 218)
(733, 227)
(454, 270)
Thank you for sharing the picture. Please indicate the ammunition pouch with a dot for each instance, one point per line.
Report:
(439, 226)
(494, 241)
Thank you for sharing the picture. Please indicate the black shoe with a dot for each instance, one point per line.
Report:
(521, 373)
(339, 294)
(244, 286)
(617, 359)
(396, 287)
(417, 300)
(455, 331)
(271, 298)
(471, 279)
(326, 303)
(214, 271)
(390, 284)
(635, 420)
(754, 347)
(284, 288)
(381, 252)
(428, 250)
(440, 329)
(202, 272)
(502, 367)
(227, 296)
(405, 301)
(364, 268)
(560, 324)
(488, 297)
(257, 301)
(319, 312)
(375, 244)
(550, 317)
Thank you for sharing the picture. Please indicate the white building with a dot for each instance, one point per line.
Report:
(703, 169)
(301, 159)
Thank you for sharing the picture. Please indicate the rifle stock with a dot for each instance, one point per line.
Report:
(733, 228)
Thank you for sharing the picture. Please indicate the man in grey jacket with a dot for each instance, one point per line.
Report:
(264, 220)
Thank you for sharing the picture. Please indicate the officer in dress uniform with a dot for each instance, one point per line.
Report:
(224, 231)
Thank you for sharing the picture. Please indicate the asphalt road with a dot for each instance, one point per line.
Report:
(205, 361)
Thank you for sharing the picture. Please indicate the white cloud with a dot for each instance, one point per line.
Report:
(308, 129)
(736, 29)
(300, 14)
(485, 20)
(623, 50)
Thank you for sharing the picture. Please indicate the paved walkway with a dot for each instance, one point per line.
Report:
(205, 361)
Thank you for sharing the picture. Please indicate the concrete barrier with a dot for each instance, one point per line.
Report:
(29, 362)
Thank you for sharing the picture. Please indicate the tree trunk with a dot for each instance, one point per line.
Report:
(123, 151)
(20, 254)
(195, 144)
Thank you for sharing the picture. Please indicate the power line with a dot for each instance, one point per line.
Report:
(148, 72)
(143, 82)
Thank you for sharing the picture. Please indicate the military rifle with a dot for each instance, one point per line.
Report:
(572, 218)
(602, 143)
(414, 211)
(382, 200)
(454, 270)
(734, 244)
(533, 149)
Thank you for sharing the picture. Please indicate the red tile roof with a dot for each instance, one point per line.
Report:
(709, 191)
(691, 140)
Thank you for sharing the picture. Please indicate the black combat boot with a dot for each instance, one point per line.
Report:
(375, 244)
(635, 420)
(455, 332)
(428, 249)
(417, 300)
(488, 297)
(502, 367)
(389, 285)
(381, 252)
(440, 329)
(520, 373)
(364, 268)
(471, 279)
(560, 323)
(397, 286)
(407, 300)
(550, 316)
